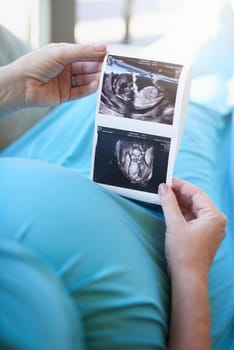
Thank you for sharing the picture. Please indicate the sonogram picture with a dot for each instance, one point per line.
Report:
(139, 120)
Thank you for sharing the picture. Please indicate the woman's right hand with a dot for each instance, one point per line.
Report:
(194, 227)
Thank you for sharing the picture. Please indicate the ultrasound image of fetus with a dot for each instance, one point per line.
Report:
(117, 94)
(122, 85)
(138, 97)
(135, 161)
(146, 93)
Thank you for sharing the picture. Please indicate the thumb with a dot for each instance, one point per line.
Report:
(171, 210)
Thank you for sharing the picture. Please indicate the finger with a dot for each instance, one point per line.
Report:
(85, 79)
(172, 213)
(69, 53)
(64, 81)
(86, 67)
(85, 90)
(202, 206)
(191, 197)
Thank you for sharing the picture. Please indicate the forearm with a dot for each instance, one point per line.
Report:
(11, 90)
(190, 316)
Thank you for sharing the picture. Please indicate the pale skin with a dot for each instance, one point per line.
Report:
(43, 77)
(195, 228)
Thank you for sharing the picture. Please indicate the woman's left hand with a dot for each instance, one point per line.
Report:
(58, 73)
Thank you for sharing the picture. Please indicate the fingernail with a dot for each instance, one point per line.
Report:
(100, 47)
(162, 189)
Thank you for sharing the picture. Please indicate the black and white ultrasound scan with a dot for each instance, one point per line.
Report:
(138, 125)
(139, 89)
(131, 160)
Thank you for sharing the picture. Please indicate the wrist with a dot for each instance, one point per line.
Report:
(190, 313)
(196, 274)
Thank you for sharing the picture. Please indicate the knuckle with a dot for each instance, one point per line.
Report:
(221, 221)
(224, 232)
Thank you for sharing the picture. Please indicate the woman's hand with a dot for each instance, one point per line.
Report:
(194, 230)
(58, 73)
(194, 227)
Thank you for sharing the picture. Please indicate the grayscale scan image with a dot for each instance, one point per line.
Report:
(135, 161)
(130, 160)
(139, 89)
